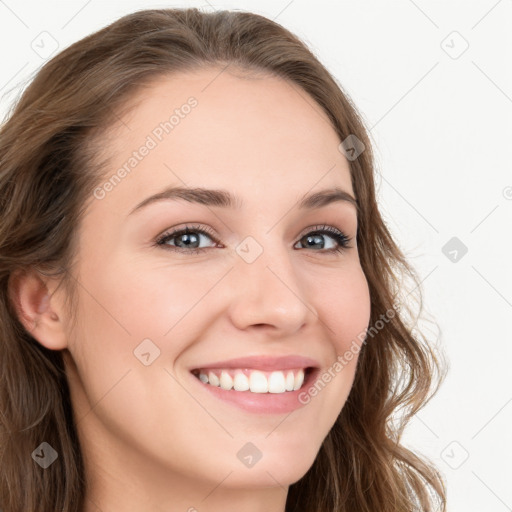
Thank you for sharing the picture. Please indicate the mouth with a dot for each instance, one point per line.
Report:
(255, 381)
(258, 384)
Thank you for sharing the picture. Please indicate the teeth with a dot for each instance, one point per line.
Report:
(290, 381)
(213, 379)
(226, 382)
(258, 383)
(299, 380)
(255, 381)
(241, 382)
(276, 383)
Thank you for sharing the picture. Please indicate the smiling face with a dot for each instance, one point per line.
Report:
(264, 282)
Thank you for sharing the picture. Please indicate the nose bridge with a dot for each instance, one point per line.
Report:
(268, 290)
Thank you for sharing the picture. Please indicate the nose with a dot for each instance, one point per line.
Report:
(269, 294)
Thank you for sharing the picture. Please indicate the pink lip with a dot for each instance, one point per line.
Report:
(264, 363)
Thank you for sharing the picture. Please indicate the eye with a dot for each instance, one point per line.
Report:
(189, 238)
(317, 236)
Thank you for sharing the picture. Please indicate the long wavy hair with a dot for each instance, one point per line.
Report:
(50, 144)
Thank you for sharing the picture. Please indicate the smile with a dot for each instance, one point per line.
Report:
(254, 381)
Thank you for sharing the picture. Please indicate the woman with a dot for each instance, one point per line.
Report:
(201, 304)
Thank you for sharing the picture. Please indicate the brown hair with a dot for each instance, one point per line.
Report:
(49, 166)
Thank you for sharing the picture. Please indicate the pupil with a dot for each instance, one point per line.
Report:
(187, 239)
(315, 240)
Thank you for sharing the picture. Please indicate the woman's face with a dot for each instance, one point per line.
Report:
(264, 284)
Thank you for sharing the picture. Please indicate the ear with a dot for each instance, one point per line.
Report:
(38, 309)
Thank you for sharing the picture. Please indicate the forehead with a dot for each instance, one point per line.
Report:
(256, 134)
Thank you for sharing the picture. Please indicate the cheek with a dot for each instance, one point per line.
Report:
(124, 315)
(127, 306)
(343, 304)
(344, 307)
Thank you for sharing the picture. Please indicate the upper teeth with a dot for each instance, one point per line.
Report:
(255, 381)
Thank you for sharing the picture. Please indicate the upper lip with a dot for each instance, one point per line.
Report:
(264, 363)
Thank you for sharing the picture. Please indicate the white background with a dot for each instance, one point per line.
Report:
(441, 122)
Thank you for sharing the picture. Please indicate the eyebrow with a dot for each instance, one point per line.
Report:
(224, 199)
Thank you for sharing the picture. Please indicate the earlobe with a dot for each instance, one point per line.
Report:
(37, 309)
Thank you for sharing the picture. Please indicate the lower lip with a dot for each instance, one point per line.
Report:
(262, 403)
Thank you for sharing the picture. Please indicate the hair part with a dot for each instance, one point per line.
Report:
(53, 155)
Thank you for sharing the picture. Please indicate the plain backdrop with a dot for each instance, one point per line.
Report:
(433, 83)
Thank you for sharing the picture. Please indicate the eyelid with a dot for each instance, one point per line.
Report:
(322, 227)
(174, 232)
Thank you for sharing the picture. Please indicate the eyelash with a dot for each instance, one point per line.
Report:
(340, 237)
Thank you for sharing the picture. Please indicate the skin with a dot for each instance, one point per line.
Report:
(152, 439)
